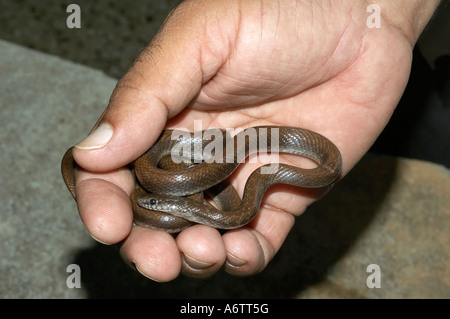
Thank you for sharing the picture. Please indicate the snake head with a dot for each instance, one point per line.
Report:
(160, 203)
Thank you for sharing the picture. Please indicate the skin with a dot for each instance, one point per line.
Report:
(310, 64)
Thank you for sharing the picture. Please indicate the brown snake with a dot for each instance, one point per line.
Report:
(165, 204)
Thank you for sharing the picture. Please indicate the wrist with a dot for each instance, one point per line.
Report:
(410, 17)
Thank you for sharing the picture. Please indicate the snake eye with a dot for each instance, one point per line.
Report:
(152, 201)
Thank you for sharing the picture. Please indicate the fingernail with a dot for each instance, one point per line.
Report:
(195, 264)
(98, 138)
(143, 274)
(234, 261)
(98, 240)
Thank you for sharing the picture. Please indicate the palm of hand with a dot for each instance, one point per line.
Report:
(331, 77)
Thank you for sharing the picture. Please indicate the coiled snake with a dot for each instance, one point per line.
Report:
(162, 200)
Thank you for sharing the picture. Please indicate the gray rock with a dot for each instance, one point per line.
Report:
(46, 105)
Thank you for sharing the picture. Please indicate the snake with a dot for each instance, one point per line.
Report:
(166, 196)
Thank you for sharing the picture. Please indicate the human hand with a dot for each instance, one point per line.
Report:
(309, 64)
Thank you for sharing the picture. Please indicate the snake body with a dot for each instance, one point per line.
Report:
(166, 203)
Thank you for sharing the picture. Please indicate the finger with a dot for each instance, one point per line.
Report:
(104, 207)
(202, 249)
(251, 248)
(153, 253)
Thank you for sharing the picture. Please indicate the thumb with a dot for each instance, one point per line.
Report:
(165, 77)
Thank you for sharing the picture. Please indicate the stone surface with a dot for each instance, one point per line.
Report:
(388, 211)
